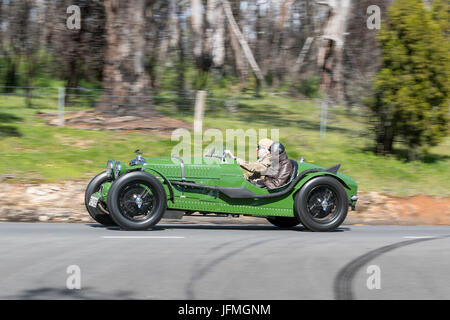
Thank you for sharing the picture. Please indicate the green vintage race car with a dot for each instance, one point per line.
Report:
(136, 196)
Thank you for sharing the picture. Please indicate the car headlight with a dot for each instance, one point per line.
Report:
(117, 168)
(109, 168)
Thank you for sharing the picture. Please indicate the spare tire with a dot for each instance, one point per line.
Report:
(100, 213)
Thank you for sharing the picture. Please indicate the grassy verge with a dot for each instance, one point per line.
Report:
(32, 151)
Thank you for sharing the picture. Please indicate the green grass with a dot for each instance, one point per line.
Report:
(30, 150)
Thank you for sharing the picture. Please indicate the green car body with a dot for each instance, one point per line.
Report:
(217, 185)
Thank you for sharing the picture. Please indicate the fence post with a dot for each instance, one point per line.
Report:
(323, 119)
(198, 123)
(61, 98)
(199, 110)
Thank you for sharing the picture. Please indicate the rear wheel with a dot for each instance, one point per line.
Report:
(283, 222)
(321, 204)
(137, 201)
(99, 213)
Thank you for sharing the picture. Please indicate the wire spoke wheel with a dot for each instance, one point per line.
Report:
(136, 201)
(321, 204)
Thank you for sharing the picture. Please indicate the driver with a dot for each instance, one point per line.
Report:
(253, 169)
(280, 169)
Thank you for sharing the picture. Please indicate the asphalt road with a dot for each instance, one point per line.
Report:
(224, 262)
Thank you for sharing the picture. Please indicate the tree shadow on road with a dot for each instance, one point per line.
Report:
(85, 293)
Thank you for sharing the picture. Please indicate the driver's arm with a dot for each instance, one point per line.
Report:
(254, 166)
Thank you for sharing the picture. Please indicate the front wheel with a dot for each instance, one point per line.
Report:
(283, 222)
(137, 201)
(321, 204)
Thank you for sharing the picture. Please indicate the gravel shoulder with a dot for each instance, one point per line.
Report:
(64, 202)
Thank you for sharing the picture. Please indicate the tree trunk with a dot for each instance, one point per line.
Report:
(361, 53)
(302, 55)
(218, 46)
(245, 48)
(208, 38)
(197, 29)
(275, 50)
(167, 39)
(330, 55)
(11, 79)
(183, 103)
(385, 137)
(241, 66)
(124, 77)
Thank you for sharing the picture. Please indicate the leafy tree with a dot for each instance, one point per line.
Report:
(411, 98)
(441, 14)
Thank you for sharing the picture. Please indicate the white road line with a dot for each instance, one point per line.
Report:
(140, 237)
(419, 237)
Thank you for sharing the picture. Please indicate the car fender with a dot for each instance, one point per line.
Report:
(311, 176)
(165, 180)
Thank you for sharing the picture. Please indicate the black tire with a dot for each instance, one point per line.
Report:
(284, 222)
(100, 213)
(321, 204)
(122, 197)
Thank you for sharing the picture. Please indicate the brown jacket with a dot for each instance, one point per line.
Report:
(279, 171)
(253, 169)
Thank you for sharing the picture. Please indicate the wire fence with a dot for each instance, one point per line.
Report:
(74, 98)
(85, 98)
(172, 103)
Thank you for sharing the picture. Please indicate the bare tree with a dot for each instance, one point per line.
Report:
(127, 45)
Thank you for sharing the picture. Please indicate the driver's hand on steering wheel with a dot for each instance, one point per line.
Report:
(229, 153)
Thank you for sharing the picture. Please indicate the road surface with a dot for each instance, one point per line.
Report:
(178, 261)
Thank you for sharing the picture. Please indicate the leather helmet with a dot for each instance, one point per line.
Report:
(276, 148)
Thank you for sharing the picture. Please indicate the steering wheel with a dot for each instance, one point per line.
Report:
(220, 154)
(222, 151)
